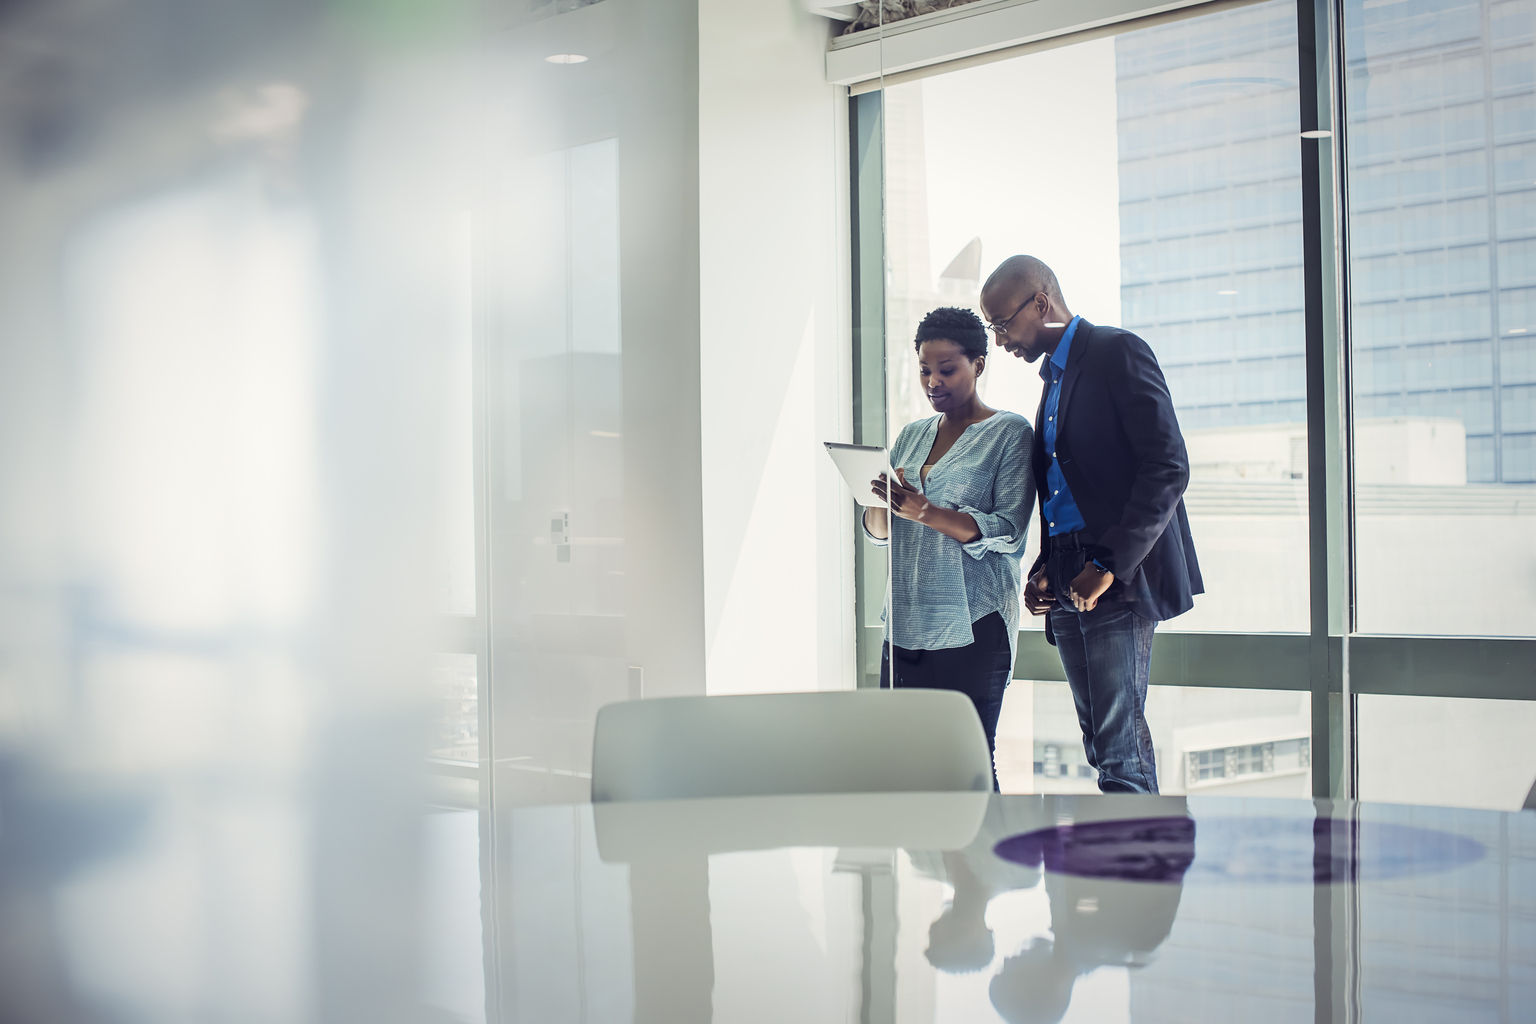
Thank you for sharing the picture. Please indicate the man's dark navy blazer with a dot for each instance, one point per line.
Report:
(1120, 449)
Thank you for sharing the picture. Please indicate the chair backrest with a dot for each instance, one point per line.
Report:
(852, 741)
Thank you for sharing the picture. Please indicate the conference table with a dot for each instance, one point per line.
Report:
(977, 907)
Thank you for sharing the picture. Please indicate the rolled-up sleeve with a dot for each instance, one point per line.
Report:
(1006, 527)
(878, 542)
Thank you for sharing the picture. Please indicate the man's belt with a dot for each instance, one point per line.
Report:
(1069, 541)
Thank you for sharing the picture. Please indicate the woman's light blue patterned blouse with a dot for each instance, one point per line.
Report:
(938, 585)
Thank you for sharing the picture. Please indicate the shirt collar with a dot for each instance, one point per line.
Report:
(1063, 349)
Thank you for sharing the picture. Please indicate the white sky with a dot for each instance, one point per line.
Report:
(1059, 203)
(1057, 200)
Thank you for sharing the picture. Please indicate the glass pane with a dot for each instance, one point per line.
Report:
(456, 696)
(1451, 751)
(230, 512)
(555, 419)
(1223, 742)
(1442, 189)
(454, 575)
(1176, 214)
(865, 130)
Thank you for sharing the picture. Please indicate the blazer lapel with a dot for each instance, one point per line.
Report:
(1074, 367)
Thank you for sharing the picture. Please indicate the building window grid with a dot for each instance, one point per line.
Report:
(1250, 376)
(1450, 90)
(1058, 761)
(1246, 761)
(1419, 158)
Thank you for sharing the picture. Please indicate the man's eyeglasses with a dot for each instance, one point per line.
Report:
(1002, 329)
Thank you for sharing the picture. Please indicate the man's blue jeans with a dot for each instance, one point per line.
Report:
(1107, 654)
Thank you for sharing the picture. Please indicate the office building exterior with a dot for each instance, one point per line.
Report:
(1442, 118)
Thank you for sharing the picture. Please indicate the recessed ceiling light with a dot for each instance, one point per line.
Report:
(1318, 133)
(1517, 330)
(1227, 291)
(602, 433)
(564, 58)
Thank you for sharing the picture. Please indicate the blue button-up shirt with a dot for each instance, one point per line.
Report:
(1061, 512)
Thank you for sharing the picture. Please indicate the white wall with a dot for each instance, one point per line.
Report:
(775, 356)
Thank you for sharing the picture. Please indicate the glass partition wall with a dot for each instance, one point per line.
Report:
(569, 574)
(1347, 385)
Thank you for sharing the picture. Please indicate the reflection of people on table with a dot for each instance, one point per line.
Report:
(959, 940)
(961, 500)
(1113, 901)
(1114, 886)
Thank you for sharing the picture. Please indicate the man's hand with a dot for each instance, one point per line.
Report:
(1089, 586)
(1037, 594)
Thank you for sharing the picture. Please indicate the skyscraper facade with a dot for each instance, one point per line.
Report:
(1210, 211)
(1442, 198)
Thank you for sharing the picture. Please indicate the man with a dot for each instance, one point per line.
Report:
(1110, 468)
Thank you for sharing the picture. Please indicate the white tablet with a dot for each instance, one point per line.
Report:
(859, 464)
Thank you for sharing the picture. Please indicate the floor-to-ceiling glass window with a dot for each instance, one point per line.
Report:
(1164, 188)
(1180, 175)
(1174, 205)
(1441, 147)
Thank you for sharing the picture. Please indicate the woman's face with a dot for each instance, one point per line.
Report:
(948, 374)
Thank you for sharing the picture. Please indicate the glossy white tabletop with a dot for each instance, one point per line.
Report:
(966, 907)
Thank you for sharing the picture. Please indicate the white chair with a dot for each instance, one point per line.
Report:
(853, 741)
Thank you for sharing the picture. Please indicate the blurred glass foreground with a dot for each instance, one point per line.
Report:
(249, 254)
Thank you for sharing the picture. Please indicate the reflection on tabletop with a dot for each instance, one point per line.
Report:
(1096, 919)
(835, 908)
(1017, 908)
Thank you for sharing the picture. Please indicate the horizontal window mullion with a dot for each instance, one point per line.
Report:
(1495, 668)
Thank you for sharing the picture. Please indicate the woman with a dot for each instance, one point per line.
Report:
(962, 500)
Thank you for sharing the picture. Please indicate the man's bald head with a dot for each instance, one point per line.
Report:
(1023, 302)
(1020, 277)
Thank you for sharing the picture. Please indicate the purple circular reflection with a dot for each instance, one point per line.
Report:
(1135, 849)
(1248, 850)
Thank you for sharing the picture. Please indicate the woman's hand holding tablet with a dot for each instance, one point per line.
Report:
(910, 503)
(904, 499)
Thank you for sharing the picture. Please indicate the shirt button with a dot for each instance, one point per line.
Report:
(1055, 492)
(1050, 417)
(1053, 524)
(1053, 455)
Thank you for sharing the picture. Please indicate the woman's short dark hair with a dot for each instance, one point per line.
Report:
(960, 326)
